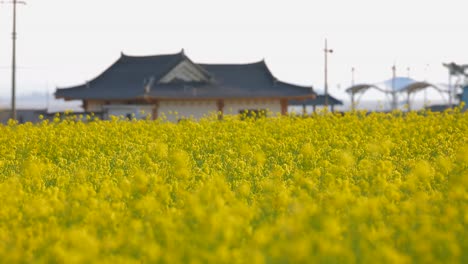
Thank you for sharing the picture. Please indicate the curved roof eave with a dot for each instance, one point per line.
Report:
(319, 100)
(230, 97)
(310, 88)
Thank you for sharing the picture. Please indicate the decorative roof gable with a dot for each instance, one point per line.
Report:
(186, 71)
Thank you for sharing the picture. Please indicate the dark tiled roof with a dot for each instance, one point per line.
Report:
(320, 100)
(127, 77)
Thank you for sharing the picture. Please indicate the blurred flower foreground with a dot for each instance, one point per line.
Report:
(358, 188)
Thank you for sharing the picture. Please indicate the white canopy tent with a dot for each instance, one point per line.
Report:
(392, 88)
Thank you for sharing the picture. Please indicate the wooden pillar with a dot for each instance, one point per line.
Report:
(155, 110)
(304, 110)
(85, 105)
(408, 101)
(220, 105)
(284, 106)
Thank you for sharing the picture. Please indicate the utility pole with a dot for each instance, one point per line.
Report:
(425, 90)
(394, 94)
(13, 65)
(326, 51)
(352, 84)
(13, 59)
(450, 92)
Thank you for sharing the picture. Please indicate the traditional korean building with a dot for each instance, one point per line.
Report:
(168, 84)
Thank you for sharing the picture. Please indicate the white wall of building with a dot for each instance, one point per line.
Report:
(173, 111)
(94, 107)
(233, 107)
(125, 111)
(176, 110)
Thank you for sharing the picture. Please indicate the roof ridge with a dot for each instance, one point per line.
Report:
(261, 63)
(233, 64)
(122, 54)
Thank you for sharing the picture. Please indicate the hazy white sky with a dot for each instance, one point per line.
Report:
(66, 42)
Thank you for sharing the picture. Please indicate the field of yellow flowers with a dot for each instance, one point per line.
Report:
(378, 188)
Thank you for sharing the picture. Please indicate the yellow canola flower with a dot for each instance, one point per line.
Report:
(358, 188)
